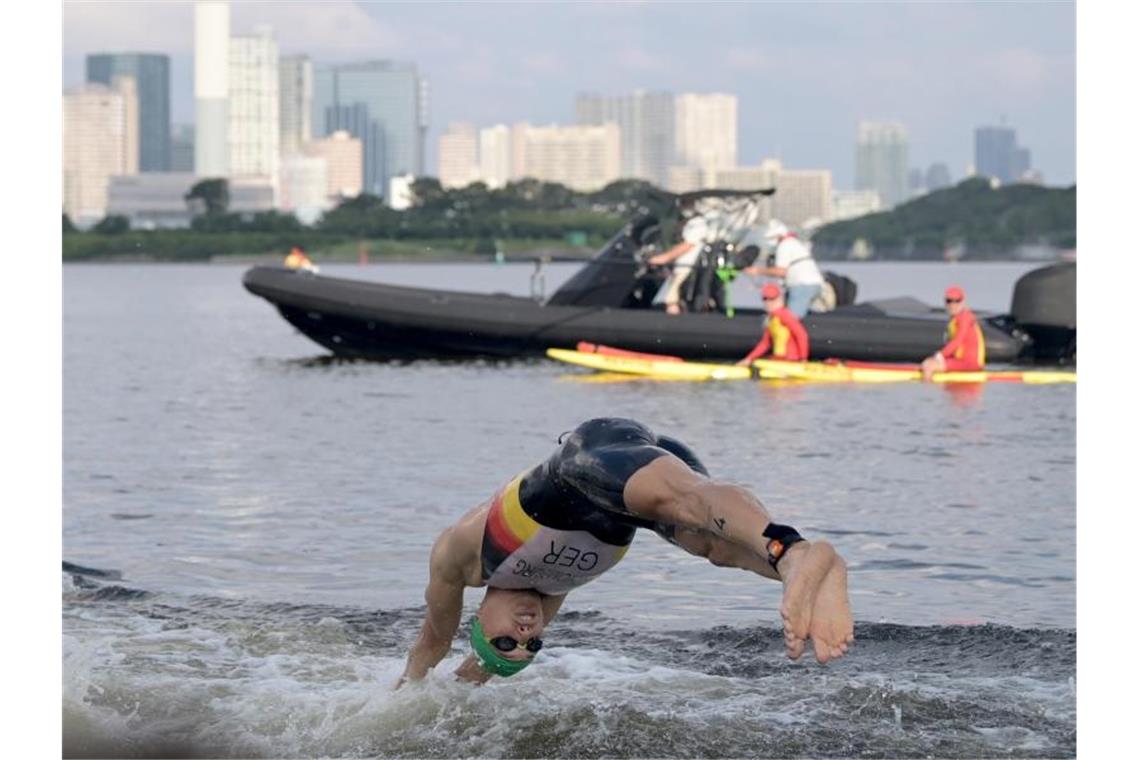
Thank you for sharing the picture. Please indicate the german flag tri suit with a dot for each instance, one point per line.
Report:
(564, 522)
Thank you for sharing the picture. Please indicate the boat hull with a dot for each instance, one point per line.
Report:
(372, 320)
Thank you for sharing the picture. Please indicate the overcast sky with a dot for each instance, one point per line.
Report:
(805, 74)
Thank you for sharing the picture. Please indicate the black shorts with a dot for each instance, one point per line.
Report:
(581, 486)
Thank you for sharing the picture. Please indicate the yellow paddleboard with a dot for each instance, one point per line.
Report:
(669, 368)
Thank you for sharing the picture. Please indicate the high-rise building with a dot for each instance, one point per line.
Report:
(705, 130)
(211, 88)
(938, 176)
(1020, 165)
(100, 140)
(881, 161)
(993, 151)
(581, 158)
(151, 73)
(458, 156)
(916, 182)
(255, 114)
(343, 155)
(296, 99)
(646, 121)
(384, 103)
(997, 154)
(495, 155)
(182, 148)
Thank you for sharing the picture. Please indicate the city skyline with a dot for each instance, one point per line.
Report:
(950, 68)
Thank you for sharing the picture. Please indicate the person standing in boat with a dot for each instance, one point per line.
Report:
(784, 334)
(965, 349)
(793, 263)
(683, 256)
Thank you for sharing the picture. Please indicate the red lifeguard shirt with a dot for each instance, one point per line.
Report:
(966, 348)
(785, 335)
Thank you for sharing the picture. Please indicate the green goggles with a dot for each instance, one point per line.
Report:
(490, 652)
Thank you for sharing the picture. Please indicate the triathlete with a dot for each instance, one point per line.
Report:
(965, 350)
(784, 334)
(570, 519)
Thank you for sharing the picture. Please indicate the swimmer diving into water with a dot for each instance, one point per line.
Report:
(572, 518)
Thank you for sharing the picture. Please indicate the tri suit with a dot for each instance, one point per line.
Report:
(564, 522)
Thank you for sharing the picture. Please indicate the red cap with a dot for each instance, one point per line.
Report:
(770, 290)
(955, 293)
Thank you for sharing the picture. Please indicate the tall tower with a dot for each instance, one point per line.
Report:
(296, 74)
(646, 121)
(254, 111)
(881, 161)
(211, 88)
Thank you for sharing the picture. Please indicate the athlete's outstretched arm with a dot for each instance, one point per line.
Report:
(719, 551)
(444, 597)
(815, 604)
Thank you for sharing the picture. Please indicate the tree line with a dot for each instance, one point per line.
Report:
(973, 216)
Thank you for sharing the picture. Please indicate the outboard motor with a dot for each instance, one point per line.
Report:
(844, 287)
(1045, 306)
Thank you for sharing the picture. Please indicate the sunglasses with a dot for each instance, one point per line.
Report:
(509, 644)
(953, 300)
(774, 298)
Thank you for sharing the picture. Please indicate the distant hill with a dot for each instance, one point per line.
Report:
(970, 220)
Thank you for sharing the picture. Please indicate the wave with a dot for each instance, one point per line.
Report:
(155, 674)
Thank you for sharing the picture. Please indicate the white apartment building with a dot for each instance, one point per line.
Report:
(803, 197)
(495, 155)
(458, 156)
(295, 75)
(254, 110)
(705, 128)
(304, 187)
(850, 204)
(583, 158)
(685, 179)
(100, 140)
(344, 158)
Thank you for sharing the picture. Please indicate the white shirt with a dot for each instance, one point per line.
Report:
(694, 233)
(793, 256)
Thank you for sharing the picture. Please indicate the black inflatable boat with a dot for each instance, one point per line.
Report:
(610, 301)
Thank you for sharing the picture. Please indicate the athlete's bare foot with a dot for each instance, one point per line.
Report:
(831, 628)
(804, 571)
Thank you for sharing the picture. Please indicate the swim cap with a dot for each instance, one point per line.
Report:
(770, 290)
(491, 659)
(955, 293)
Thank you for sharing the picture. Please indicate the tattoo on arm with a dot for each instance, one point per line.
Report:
(720, 523)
